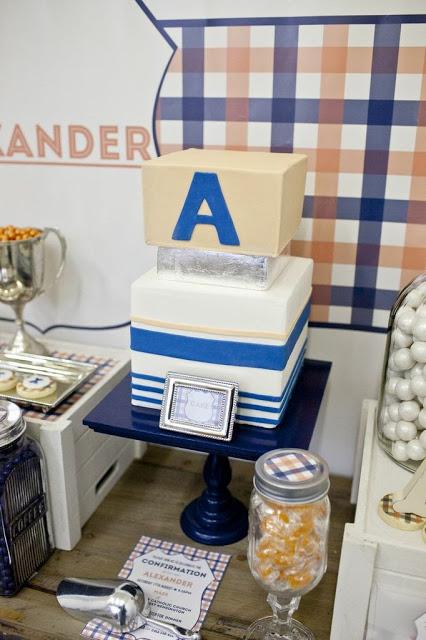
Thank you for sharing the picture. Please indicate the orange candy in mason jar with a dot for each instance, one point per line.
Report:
(289, 521)
(289, 551)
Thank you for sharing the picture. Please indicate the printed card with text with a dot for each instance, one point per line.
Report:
(180, 582)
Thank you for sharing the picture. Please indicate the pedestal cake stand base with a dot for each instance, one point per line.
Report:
(216, 517)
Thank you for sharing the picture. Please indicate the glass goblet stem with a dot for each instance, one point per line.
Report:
(282, 612)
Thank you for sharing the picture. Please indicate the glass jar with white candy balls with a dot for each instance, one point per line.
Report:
(402, 411)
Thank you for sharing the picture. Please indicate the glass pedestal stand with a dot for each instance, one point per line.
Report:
(281, 625)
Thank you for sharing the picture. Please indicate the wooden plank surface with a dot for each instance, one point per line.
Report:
(148, 501)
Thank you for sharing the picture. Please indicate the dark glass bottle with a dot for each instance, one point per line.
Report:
(24, 532)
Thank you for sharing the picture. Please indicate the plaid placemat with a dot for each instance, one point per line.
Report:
(352, 97)
(218, 562)
(104, 367)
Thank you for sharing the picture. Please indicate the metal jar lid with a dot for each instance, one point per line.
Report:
(291, 475)
(12, 423)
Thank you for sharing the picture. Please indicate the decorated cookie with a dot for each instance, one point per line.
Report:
(35, 387)
(8, 380)
(405, 521)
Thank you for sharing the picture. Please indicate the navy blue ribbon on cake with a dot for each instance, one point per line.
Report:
(243, 418)
(227, 352)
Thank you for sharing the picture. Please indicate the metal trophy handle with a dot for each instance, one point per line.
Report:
(63, 247)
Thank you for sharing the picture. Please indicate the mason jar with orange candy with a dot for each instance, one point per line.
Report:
(289, 520)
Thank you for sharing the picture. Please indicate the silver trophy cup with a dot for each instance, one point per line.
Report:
(22, 278)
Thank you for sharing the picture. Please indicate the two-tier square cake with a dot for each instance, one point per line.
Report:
(225, 301)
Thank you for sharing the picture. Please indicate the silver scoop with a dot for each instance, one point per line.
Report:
(121, 603)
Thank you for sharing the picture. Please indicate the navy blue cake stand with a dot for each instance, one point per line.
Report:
(216, 517)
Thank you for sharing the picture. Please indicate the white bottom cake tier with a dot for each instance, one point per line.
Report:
(256, 339)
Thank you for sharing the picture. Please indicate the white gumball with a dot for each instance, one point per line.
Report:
(409, 410)
(418, 425)
(422, 439)
(401, 339)
(389, 398)
(399, 451)
(389, 431)
(418, 386)
(403, 390)
(392, 368)
(421, 418)
(419, 329)
(421, 311)
(391, 374)
(418, 350)
(404, 358)
(394, 411)
(406, 430)
(417, 370)
(391, 385)
(415, 450)
(385, 415)
(406, 320)
(414, 298)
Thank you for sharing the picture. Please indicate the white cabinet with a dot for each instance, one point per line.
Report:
(82, 466)
(381, 588)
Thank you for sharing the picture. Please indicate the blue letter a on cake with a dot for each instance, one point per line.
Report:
(206, 186)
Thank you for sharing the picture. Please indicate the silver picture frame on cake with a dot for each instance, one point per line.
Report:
(199, 406)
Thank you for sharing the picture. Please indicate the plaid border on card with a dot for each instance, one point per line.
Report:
(352, 97)
(218, 562)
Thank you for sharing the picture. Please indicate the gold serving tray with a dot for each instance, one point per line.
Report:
(69, 375)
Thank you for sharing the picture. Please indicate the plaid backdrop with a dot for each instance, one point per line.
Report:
(352, 97)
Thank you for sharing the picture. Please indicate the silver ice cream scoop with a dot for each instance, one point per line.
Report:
(121, 603)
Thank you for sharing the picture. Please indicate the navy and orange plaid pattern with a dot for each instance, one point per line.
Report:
(386, 504)
(352, 97)
(293, 467)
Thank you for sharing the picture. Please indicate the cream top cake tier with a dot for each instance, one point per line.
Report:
(230, 201)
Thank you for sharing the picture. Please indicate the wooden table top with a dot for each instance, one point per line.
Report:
(148, 501)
